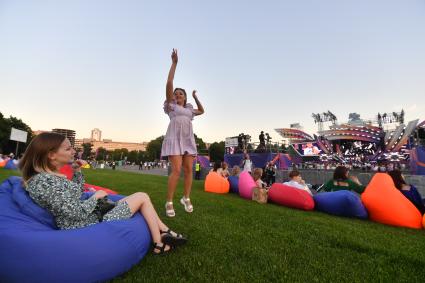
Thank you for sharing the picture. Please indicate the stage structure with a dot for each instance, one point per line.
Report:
(358, 140)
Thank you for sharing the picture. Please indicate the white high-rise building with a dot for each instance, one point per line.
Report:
(96, 134)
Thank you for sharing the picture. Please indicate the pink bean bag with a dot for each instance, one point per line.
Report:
(214, 183)
(290, 197)
(246, 184)
(386, 204)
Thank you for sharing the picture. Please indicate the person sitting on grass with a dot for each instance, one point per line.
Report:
(40, 165)
(223, 170)
(409, 191)
(216, 167)
(257, 174)
(343, 181)
(259, 193)
(236, 170)
(297, 181)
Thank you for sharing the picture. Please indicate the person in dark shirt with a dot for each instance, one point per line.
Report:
(409, 191)
(343, 181)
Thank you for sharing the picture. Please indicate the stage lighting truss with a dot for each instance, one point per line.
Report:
(395, 156)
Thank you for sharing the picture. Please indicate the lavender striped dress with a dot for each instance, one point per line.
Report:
(179, 139)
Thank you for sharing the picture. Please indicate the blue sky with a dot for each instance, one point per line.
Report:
(257, 65)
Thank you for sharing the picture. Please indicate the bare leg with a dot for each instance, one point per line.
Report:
(141, 202)
(173, 179)
(188, 174)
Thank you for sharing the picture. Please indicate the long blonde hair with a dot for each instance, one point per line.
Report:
(258, 172)
(36, 157)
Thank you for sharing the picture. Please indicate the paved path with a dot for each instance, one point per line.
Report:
(135, 169)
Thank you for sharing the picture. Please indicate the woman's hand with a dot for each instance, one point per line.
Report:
(194, 94)
(174, 56)
(77, 164)
(100, 194)
(355, 179)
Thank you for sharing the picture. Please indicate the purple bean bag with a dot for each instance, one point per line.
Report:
(32, 249)
(341, 203)
(234, 184)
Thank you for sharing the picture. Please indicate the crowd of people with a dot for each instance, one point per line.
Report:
(49, 152)
(341, 180)
(376, 166)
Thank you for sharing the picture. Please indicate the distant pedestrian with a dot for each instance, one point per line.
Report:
(247, 163)
(197, 170)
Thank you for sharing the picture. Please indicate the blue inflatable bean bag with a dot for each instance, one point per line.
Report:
(341, 203)
(234, 184)
(10, 165)
(33, 250)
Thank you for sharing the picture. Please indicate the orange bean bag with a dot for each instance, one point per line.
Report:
(214, 183)
(3, 163)
(290, 197)
(386, 204)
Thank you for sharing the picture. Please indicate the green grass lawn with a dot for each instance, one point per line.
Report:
(235, 240)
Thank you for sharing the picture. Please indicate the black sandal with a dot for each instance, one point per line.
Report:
(168, 238)
(161, 249)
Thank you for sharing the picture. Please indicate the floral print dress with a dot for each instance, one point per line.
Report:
(61, 197)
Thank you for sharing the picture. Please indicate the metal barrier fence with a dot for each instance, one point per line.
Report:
(322, 176)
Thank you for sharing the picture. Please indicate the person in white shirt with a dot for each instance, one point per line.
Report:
(247, 164)
(297, 181)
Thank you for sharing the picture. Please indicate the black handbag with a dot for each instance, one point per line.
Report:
(103, 206)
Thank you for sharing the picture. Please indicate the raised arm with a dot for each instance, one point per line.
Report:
(200, 109)
(169, 87)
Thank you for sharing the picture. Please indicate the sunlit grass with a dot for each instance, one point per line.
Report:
(235, 240)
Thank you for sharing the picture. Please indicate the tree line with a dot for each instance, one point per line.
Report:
(152, 152)
(6, 124)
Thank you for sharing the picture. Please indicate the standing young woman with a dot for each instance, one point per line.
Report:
(179, 142)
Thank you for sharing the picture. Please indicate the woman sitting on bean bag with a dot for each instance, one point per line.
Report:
(216, 167)
(342, 181)
(223, 170)
(259, 193)
(409, 191)
(45, 155)
(296, 181)
(236, 170)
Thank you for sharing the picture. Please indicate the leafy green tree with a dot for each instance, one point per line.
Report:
(87, 150)
(142, 156)
(132, 156)
(154, 148)
(119, 154)
(6, 125)
(101, 154)
(4, 132)
(216, 151)
(200, 145)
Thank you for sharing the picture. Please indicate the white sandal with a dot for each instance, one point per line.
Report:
(169, 211)
(187, 205)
